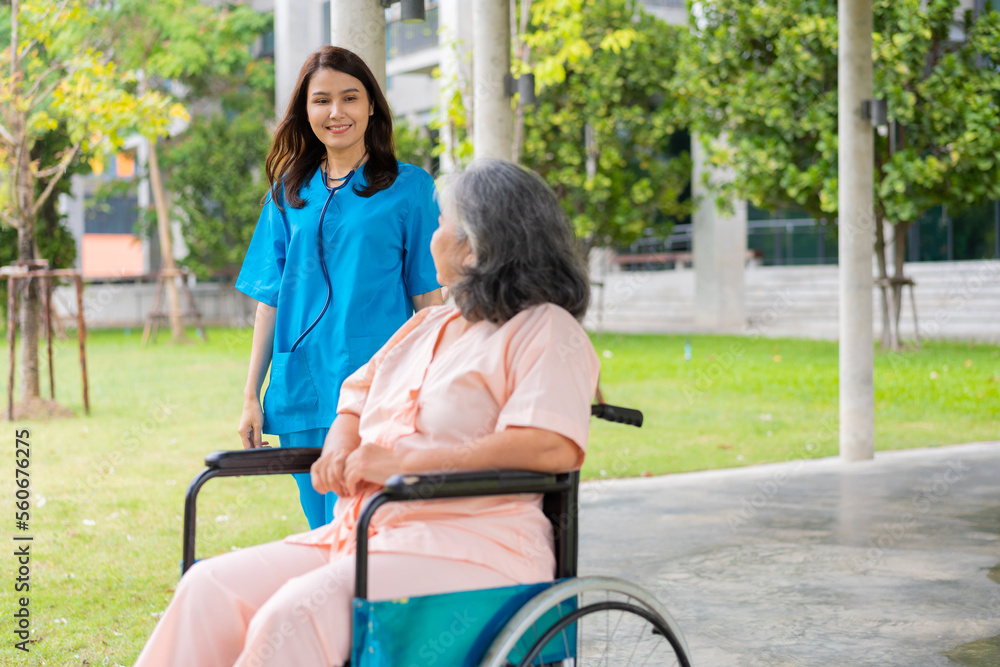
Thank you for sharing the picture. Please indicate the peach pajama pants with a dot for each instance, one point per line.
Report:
(281, 604)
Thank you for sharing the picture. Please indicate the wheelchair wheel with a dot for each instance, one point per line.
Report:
(590, 621)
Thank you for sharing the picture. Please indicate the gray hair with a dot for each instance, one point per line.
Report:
(526, 253)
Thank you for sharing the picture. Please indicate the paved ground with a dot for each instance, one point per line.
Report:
(885, 562)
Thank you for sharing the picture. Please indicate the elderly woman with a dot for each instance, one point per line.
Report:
(501, 380)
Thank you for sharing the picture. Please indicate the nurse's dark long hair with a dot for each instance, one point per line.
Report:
(296, 151)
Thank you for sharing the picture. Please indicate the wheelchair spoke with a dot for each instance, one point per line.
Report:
(650, 655)
(565, 638)
(636, 647)
(641, 631)
(607, 598)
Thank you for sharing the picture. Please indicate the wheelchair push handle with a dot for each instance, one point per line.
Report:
(614, 413)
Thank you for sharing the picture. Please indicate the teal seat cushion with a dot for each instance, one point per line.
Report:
(450, 630)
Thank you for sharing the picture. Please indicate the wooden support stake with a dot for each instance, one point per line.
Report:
(47, 290)
(81, 335)
(916, 327)
(151, 320)
(194, 309)
(155, 314)
(11, 324)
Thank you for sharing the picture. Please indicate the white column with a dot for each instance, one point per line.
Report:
(719, 249)
(297, 33)
(359, 25)
(493, 115)
(449, 24)
(144, 200)
(856, 203)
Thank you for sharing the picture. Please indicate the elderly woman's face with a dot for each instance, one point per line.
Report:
(450, 251)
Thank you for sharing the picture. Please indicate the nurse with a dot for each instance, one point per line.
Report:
(339, 260)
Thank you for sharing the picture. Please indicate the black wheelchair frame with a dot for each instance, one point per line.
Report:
(560, 494)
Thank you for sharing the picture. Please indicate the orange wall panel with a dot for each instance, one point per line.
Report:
(111, 255)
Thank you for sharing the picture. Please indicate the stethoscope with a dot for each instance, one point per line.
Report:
(322, 256)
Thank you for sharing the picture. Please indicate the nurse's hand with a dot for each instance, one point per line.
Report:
(371, 463)
(251, 425)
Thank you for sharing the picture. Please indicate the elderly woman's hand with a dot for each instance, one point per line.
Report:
(371, 463)
(328, 472)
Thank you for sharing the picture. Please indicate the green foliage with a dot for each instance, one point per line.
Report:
(214, 167)
(413, 144)
(55, 242)
(216, 171)
(190, 42)
(764, 76)
(946, 97)
(605, 68)
(63, 84)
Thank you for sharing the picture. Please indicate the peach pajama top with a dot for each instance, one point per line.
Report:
(538, 370)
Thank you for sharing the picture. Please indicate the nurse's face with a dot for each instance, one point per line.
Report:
(338, 109)
(450, 254)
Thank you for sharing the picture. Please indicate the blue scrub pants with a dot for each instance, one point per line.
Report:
(317, 506)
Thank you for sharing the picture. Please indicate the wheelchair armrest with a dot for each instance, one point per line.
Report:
(266, 461)
(402, 488)
(477, 483)
(239, 463)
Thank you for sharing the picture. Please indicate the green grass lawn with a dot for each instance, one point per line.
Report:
(108, 488)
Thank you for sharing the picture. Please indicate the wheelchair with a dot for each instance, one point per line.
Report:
(570, 622)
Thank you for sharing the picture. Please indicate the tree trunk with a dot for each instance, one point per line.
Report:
(28, 319)
(898, 259)
(24, 193)
(886, 342)
(166, 247)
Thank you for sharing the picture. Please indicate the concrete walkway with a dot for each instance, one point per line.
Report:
(884, 562)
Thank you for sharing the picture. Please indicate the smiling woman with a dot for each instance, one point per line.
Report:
(339, 259)
(338, 114)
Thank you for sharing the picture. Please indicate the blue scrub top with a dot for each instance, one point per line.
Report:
(377, 253)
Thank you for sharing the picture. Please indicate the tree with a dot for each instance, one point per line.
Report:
(764, 77)
(53, 240)
(604, 133)
(215, 169)
(216, 172)
(943, 144)
(188, 50)
(413, 144)
(58, 80)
